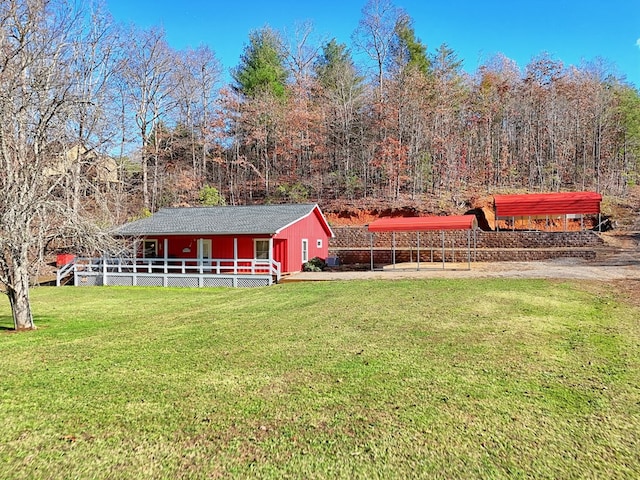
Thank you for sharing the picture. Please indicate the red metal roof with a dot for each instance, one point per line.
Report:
(414, 224)
(547, 204)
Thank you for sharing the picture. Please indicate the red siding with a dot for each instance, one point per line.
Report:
(547, 204)
(222, 246)
(311, 228)
(414, 224)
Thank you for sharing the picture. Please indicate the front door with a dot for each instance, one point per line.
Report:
(280, 253)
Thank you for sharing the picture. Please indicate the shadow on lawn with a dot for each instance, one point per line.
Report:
(6, 322)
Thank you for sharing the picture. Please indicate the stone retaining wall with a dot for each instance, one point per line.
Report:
(385, 257)
(353, 245)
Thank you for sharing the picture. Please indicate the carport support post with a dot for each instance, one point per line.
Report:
(371, 249)
(469, 249)
(442, 233)
(418, 245)
(475, 245)
(393, 249)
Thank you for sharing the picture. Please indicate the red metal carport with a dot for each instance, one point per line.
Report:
(421, 224)
(545, 204)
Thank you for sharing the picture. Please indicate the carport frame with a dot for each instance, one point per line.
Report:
(419, 224)
(546, 204)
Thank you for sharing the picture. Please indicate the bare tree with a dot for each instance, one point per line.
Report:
(376, 31)
(301, 53)
(196, 75)
(96, 61)
(149, 86)
(38, 95)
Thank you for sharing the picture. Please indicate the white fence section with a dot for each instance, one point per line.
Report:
(172, 272)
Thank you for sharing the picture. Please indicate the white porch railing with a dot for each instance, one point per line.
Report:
(186, 272)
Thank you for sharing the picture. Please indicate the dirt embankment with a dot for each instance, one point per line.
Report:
(621, 213)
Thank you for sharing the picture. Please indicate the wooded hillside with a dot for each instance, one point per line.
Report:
(303, 121)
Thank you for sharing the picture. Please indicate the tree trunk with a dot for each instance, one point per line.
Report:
(18, 294)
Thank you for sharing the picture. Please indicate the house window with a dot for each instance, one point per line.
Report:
(150, 249)
(261, 249)
(305, 250)
(319, 243)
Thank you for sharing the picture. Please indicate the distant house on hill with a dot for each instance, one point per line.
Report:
(215, 246)
(100, 169)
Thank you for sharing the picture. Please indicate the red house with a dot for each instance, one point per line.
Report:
(214, 246)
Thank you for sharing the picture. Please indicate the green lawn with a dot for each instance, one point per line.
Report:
(372, 379)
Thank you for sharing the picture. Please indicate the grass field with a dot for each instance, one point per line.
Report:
(373, 379)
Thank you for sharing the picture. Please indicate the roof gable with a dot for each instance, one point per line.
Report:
(229, 220)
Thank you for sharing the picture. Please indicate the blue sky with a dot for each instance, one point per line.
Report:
(571, 31)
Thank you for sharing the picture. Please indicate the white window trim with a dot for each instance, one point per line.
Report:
(205, 244)
(305, 250)
(255, 248)
(319, 243)
(144, 247)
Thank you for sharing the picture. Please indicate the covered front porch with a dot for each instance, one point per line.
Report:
(171, 272)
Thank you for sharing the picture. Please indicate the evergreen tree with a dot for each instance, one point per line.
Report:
(261, 68)
(408, 52)
(335, 66)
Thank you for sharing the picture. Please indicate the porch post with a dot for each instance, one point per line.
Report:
(200, 244)
(135, 256)
(166, 253)
(235, 255)
(271, 257)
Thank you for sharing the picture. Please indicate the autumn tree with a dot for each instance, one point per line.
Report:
(302, 148)
(447, 129)
(260, 79)
(341, 94)
(404, 152)
(628, 109)
(492, 154)
(195, 76)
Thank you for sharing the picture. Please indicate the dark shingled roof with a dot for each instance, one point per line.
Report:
(236, 220)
